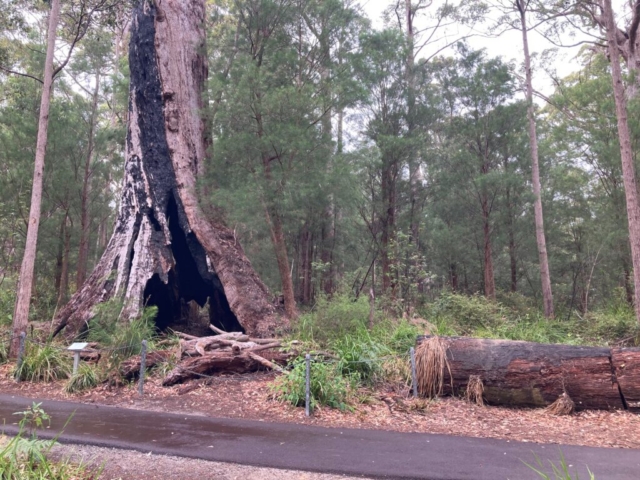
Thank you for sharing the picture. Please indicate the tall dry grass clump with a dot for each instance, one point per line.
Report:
(475, 389)
(431, 361)
(562, 406)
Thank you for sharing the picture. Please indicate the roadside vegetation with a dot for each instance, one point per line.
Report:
(26, 457)
(355, 352)
(349, 350)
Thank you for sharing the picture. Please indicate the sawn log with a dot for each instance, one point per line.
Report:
(527, 374)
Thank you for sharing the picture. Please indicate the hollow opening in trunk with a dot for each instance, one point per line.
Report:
(191, 279)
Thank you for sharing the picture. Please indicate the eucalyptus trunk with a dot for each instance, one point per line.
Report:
(25, 285)
(545, 277)
(164, 251)
(626, 154)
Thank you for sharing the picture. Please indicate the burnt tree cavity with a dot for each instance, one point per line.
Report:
(163, 251)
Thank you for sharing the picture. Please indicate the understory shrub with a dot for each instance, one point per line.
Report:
(44, 363)
(333, 319)
(121, 339)
(327, 385)
(360, 355)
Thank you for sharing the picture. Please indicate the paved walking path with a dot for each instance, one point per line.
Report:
(370, 453)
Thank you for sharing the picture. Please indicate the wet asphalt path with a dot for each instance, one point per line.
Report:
(369, 453)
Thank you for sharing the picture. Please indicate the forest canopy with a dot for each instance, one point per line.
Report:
(390, 161)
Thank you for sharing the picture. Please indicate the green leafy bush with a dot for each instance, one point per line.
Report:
(44, 363)
(616, 321)
(4, 349)
(122, 339)
(360, 355)
(87, 377)
(327, 385)
(333, 319)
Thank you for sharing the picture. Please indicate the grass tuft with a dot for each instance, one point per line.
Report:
(86, 378)
(44, 363)
(327, 386)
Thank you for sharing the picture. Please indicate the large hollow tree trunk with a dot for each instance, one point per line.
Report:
(545, 277)
(23, 299)
(163, 251)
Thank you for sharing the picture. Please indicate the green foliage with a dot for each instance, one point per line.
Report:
(558, 472)
(328, 386)
(44, 363)
(123, 339)
(4, 347)
(7, 300)
(87, 377)
(128, 336)
(25, 457)
(615, 322)
(333, 319)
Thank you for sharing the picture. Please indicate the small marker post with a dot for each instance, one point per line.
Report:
(143, 365)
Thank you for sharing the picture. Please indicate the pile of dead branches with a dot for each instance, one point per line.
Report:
(225, 353)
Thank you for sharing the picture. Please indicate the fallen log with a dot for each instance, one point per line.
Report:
(527, 374)
(626, 363)
(130, 368)
(219, 362)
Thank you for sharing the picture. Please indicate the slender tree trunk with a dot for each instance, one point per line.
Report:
(63, 291)
(453, 275)
(388, 230)
(58, 270)
(628, 168)
(276, 229)
(513, 263)
(547, 295)
(279, 244)
(164, 251)
(21, 310)
(489, 280)
(85, 220)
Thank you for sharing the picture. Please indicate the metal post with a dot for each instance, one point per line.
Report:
(76, 361)
(23, 337)
(143, 364)
(414, 379)
(307, 400)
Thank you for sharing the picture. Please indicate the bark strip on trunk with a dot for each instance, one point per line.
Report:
(164, 251)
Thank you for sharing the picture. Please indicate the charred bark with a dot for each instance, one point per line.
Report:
(163, 250)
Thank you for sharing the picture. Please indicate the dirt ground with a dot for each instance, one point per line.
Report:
(248, 396)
